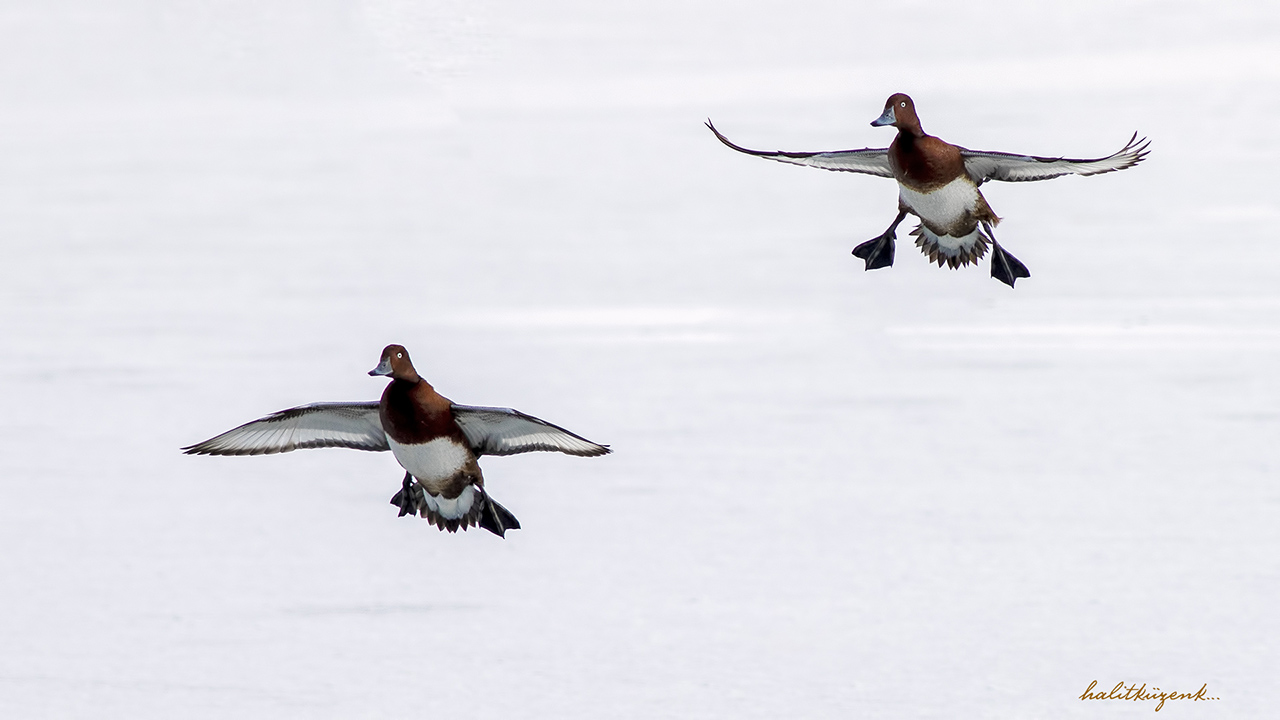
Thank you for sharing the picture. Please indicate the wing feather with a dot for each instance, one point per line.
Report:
(503, 431)
(1010, 167)
(869, 161)
(348, 425)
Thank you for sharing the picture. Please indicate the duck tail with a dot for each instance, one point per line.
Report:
(448, 514)
(953, 252)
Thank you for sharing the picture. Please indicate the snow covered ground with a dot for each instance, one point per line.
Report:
(910, 493)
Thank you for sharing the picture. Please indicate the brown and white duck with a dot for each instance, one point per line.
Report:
(938, 183)
(435, 440)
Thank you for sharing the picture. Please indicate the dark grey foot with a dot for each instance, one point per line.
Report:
(878, 252)
(497, 519)
(405, 498)
(1005, 267)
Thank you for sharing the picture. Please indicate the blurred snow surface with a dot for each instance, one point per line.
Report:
(909, 493)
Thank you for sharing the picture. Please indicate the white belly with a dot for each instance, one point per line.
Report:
(431, 462)
(950, 205)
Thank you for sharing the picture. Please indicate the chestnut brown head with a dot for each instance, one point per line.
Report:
(900, 112)
(395, 362)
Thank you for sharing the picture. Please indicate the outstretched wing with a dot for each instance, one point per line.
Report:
(503, 431)
(349, 425)
(869, 161)
(983, 166)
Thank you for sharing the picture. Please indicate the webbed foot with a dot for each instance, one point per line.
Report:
(878, 252)
(497, 519)
(405, 499)
(1005, 267)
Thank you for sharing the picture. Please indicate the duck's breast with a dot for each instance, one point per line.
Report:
(434, 462)
(951, 208)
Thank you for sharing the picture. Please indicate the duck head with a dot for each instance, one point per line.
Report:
(900, 112)
(395, 362)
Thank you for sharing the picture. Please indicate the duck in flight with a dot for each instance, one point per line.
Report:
(938, 183)
(436, 441)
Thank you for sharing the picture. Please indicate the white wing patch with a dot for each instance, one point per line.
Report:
(869, 161)
(349, 425)
(1009, 167)
(503, 431)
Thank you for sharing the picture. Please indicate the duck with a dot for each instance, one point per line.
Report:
(436, 441)
(939, 184)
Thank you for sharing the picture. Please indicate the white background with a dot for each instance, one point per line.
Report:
(910, 493)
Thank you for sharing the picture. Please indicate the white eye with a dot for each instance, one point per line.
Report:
(399, 355)
(902, 104)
